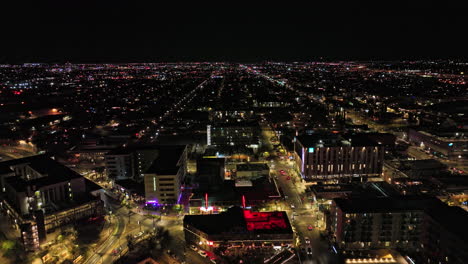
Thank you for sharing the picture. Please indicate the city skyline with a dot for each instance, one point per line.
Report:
(196, 133)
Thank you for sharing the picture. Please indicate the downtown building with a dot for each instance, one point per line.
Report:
(426, 228)
(329, 157)
(39, 194)
(163, 179)
(129, 162)
(237, 227)
(450, 145)
(246, 133)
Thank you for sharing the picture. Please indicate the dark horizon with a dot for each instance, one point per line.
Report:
(118, 33)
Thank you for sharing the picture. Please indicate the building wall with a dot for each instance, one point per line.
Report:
(120, 166)
(241, 238)
(339, 162)
(370, 230)
(90, 209)
(162, 188)
(233, 135)
(361, 231)
(143, 160)
(30, 236)
(441, 246)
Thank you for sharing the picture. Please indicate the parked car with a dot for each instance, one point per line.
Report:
(138, 235)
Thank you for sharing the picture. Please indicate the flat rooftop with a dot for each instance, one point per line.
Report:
(236, 219)
(384, 205)
(53, 171)
(324, 139)
(166, 162)
(252, 167)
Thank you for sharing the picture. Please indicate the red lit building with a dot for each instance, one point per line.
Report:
(238, 227)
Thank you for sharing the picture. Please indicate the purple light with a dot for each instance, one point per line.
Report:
(178, 199)
(153, 202)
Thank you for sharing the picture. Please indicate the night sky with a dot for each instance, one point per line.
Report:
(112, 31)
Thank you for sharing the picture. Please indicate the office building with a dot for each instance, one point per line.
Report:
(234, 133)
(426, 227)
(41, 194)
(130, 162)
(164, 177)
(332, 157)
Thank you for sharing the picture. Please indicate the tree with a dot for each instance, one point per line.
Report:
(13, 250)
(178, 208)
(130, 242)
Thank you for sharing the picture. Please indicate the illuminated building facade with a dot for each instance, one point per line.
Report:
(42, 194)
(234, 133)
(331, 157)
(164, 177)
(431, 229)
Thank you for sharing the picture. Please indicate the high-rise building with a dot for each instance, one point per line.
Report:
(333, 157)
(164, 177)
(427, 227)
(130, 162)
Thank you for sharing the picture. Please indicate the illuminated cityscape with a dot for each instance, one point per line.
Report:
(162, 142)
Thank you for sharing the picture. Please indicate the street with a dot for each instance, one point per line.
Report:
(305, 216)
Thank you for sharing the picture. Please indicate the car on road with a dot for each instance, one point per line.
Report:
(292, 206)
(307, 240)
(138, 235)
(282, 172)
(202, 253)
(309, 251)
(288, 178)
(310, 227)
